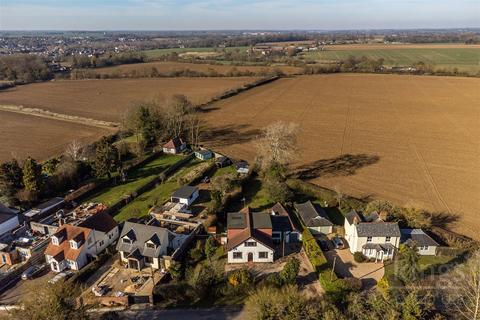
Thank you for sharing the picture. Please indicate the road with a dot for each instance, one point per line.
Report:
(230, 313)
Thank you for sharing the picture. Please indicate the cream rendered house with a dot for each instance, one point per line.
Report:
(372, 236)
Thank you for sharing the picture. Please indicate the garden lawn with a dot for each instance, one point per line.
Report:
(135, 179)
(225, 170)
(139, 207)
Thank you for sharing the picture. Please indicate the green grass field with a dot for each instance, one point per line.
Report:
(137, 178)
(465, 59)
(139, 207)
(155, 53)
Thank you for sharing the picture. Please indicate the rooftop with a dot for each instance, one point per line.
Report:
(418, 236)
(312, 215)
(184, 192)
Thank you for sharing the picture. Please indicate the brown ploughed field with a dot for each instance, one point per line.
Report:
(108, 99)
(168, 67)
(413, 140)
(24, 135)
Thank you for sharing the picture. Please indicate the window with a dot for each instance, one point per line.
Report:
(387, 239)
(237, 255)
(55, 241)
(250, 244)
(4, 259)
(101, 243)
(150, 245)
(148, 259)
(73, 244)
(423, 248)
(126, 240)
(71, 263)
(263, 255)
(369, 239)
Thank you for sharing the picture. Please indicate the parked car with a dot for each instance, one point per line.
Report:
(61, 276)
(33, 271)
(324, 245)
(338, 243)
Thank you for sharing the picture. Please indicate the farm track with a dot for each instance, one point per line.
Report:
(61, 117)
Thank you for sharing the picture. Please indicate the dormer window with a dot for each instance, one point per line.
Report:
(150, 245)
(73, 244)
(54, 240)
(126, 240)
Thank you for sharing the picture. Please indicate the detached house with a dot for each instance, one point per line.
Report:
(175, 146)
(249, 237)
(314, 217)
(186, 195)
(371, 235)
(143, 245)
(73, 246)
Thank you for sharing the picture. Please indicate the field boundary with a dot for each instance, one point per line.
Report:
(37, 112)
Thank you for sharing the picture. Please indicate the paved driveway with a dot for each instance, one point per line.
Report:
(370, 273)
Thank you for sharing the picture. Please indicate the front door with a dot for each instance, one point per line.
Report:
(250, 256)
(380, 255)
(133, 264)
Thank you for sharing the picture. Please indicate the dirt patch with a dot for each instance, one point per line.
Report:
(412, 140)
(25, 135)
(108, 99)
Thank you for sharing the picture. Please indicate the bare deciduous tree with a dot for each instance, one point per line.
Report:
(175, 111)
(194, 128)
(277, 145)
(465, 288)
(74, 150)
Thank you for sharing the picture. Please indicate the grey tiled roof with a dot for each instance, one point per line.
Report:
(261, 220)
(312, 216)
(184, 192)
(418, 236)
(378, 229)
(352, 215)
(236, 220)
(141, 233)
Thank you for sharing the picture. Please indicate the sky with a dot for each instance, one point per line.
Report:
(236, 14)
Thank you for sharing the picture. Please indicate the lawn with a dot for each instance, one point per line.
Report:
(225, 170)
(139, 207)
(465, 59)
(136, 179)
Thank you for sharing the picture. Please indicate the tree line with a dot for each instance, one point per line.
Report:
(24, 68)
(107, 60)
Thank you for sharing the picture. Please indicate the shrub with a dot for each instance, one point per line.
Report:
(359, 257)
(290, 271)
(241, 277)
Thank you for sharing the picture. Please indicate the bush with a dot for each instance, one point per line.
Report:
(241, 277)
(359, 257)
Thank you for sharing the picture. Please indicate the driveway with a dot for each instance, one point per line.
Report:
(307, 278)
(368, 272)
(22, 288)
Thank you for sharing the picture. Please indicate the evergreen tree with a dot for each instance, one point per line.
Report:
(106, 160)
(210, 247)
(11, 180)
(289, 273)
(408, 267)
(32, 175)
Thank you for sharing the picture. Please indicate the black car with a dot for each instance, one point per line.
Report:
(324, 245)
